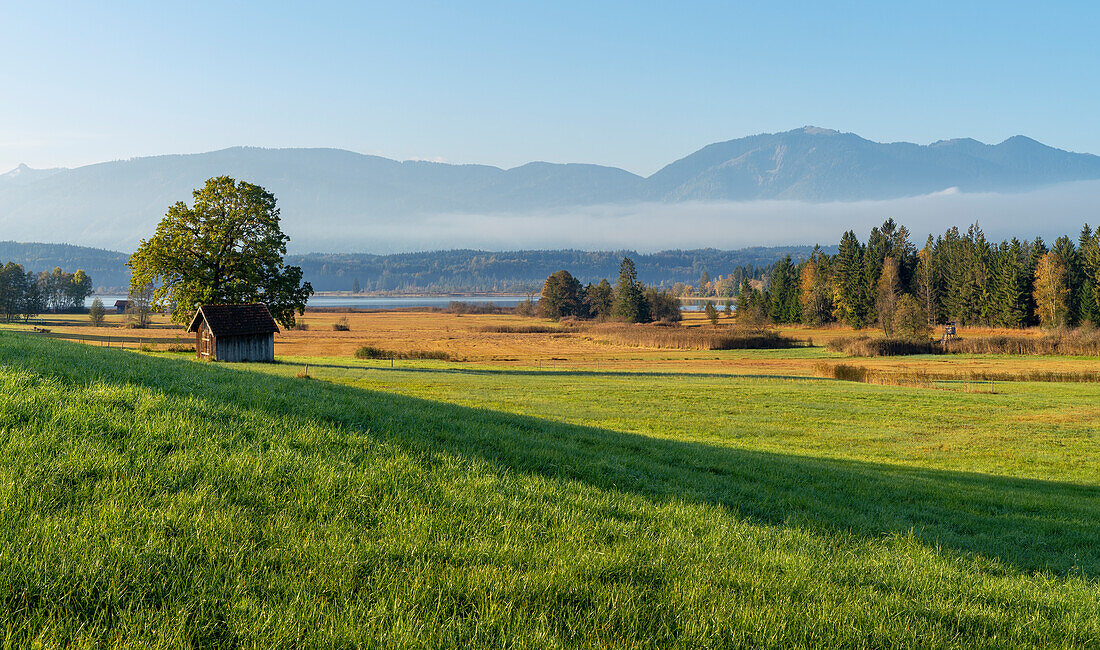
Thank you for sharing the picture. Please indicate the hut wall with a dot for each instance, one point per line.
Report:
(253, 347)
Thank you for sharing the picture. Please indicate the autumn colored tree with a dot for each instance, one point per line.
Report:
(910, 321)
(925, 282)
(1051, 292)
(887, 290)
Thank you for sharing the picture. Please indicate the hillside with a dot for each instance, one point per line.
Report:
(332, 197)
(159, 502)
(439, 271)
(107, 268)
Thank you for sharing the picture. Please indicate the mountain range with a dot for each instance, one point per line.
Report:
(115, 204)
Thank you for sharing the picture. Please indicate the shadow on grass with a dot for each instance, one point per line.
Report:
(1032, 525)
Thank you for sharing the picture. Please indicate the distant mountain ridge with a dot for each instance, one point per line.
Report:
(115, 204)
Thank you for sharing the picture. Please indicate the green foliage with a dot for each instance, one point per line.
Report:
(96, 313)
(849, 285)
(783, 304)
(225, 249)
(909, 320)
(711, 312)
(662, 305)
(630, 303)
(599, 299)
(562, 297)
(152, 502)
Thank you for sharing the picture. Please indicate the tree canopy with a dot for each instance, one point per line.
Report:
(227, 248)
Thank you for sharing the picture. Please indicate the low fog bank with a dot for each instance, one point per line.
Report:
(650, 227)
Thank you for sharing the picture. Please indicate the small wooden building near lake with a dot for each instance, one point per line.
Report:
(121, 306)
(234, 333)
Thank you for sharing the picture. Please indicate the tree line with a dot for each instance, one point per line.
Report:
(26, 294)
(630, 300)
(522, 271)
(959, 277)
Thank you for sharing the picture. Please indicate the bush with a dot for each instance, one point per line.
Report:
(910, 322)
(341, 325)
(519, 329)
(673, 336)
(96, 313)
(865, 346)
(372, 352)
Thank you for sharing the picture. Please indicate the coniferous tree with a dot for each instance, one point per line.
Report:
(1089, 255)
(849, 286)
(711, 313)
(1008, 308)
(1067, 254)
(783, 306)
(630, 302)
(599, 299)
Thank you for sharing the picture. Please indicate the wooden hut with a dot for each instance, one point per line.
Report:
(121, 306)
(234, 333)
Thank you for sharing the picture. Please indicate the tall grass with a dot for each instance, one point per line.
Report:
(929, 379)
(149, 502)
(519, 329)
(1071, 342)
(374, 352)
(867, 346)
(689, 338)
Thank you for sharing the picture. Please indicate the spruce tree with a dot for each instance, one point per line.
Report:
(630, 302)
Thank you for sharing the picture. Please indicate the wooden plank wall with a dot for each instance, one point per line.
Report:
(259, 347)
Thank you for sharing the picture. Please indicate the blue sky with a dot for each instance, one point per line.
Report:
(631, 84)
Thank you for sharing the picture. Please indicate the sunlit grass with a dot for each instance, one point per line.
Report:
(158, 501)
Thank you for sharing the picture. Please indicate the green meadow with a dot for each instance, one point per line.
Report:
(149, 500)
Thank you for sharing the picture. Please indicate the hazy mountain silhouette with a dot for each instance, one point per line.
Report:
(114, 204)
(814, 164)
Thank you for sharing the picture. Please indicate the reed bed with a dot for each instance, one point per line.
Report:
(373, 352)
(1081, 341)
(920, 379)
(866, 346)
(691, 338)
(519, 329)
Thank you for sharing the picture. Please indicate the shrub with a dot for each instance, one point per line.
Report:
(96, 313)
(910, 321)
(519, 329)
(372, 352)
(341, 325)
(664, 335)
(865, 346)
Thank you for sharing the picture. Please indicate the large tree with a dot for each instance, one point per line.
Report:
(561, 297)
(227, 248)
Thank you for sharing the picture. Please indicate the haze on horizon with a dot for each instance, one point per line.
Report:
(498, 83)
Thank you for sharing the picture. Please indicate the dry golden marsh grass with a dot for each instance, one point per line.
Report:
(500, 339)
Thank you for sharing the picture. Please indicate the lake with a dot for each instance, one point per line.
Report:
(404, 302)
(372, 302)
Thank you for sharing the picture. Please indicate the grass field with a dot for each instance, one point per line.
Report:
(665, 500)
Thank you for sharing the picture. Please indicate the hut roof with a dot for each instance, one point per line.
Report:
(234, 320)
